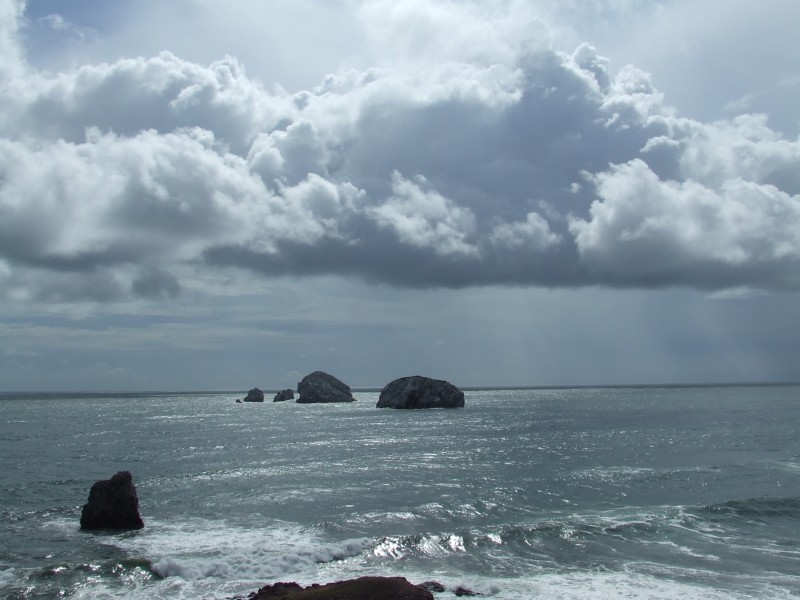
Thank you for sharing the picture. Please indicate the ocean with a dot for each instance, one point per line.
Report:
(589, 493)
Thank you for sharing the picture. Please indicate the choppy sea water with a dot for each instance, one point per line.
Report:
(677, 492)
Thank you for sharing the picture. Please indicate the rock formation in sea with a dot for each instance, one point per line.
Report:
(363, 588)
(254, 395)
(321, 387)
(113, 504)
(420, 392)
(436, 587)
(284, 395)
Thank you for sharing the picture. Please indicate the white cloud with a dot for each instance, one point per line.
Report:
(289, 155)
(744, 147)
(113, 199)
(707, 55)
(424, 218)
(430, 169)
(312, 210)
(648, 230)
(534, 232)
(131, 95)
(61, 26)
(449, 31)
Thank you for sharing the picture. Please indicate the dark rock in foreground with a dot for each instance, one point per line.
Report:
(284, 395)
(254, 395)
(420, 392)
(321, 387)
(363, 588)
(113, 504)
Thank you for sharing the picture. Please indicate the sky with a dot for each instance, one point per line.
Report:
(212, 195)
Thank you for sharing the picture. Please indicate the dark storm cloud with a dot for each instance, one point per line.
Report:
(518, 166)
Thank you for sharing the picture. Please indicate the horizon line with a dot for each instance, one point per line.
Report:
(468, 388)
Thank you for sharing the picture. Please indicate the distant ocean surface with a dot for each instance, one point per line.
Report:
(650, 492)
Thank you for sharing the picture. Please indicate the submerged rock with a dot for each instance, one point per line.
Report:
(436, 587)
(363, 588)
(462, 592)
(284, 395)
(432, 586)
(420, 392)
(321, 387)
(113, 504)
(254, 395)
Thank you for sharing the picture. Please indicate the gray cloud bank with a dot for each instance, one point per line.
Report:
(512, 165)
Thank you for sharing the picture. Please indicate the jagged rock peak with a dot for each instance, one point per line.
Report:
(284, 395)
(254, 395)
(113, 504)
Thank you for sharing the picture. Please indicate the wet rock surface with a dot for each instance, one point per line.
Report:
(420, 392)
(254, 395)
(363, 588)
(322, 387)
(284, 395)
(113, 505)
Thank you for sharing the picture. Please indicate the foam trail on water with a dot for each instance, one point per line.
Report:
(198, 549)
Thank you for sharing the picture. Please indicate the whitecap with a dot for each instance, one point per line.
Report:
(198, 549)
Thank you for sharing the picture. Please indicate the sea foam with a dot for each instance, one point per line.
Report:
(196, 549)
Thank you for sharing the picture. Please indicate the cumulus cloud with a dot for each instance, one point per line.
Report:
(425, 219)
(131, 95)
(533, 232)
(647, 231)
(487, 158)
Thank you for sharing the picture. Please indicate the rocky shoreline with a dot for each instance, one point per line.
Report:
(113, 505)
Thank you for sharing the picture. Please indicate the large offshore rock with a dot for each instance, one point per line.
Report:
(113, 504)
(284, 395)
(363, 588)
(254, 395)
(420, 392)
(321, 387)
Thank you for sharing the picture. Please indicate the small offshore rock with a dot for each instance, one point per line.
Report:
(432, 586)
(254, 395)
(113, 505)
(420, 392)
(284, 395)
(322, 387)
(465, 592)
(363, 588)
(438, 588)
